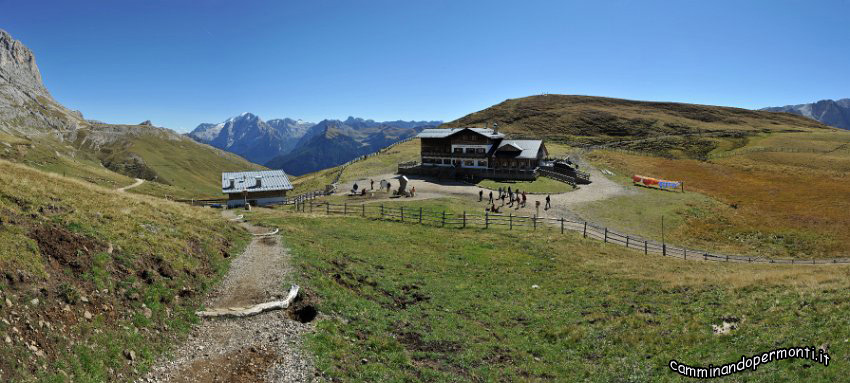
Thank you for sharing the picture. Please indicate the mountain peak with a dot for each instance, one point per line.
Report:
(17, 64)
(834, 113)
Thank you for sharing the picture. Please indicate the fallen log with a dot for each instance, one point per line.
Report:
(241, 312)
(264, 234)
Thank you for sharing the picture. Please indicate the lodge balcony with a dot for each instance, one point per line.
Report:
(454, 155)
(416, 168)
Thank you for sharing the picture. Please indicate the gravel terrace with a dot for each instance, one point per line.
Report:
(600, 188)
(263, 348)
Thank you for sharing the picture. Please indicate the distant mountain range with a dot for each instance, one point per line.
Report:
(834, 113)
(300, 147)
(252, 138)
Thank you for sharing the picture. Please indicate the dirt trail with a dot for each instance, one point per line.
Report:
(262, 348)
(138, 182)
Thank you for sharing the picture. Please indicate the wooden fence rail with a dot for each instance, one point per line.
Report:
(442, 218)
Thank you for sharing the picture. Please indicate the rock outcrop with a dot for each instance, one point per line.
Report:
(26, 107)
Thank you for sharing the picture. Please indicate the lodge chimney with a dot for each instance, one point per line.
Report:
(232, 183)
(495, 128)
(259, 181)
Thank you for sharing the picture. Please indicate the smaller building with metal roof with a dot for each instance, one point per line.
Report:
(258, 188)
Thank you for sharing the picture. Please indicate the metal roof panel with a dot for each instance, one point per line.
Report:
(270, 180)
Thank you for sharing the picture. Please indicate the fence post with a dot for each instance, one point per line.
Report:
(645, 247)
(534, 221)
(562, 225)
(585, 229)
(685, 252)
(382, 211)
(402, 213)
(486, 219)
(606, 235)
(627, 241)
(328, 208)
(664, 249)
(464, 219)
(511, 221)
(311, 206)
(420, 215)
(345, 208)
(444, 219)
(364, 209)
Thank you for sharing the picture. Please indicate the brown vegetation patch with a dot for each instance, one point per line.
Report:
(61, 246)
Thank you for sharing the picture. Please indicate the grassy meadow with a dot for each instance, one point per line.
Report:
(401, 302)
(781, 195)
(89, 273)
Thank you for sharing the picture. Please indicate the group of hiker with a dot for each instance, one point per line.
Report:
(520, 198)
(384, 185)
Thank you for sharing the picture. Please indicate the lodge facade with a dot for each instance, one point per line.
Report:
(477, 152)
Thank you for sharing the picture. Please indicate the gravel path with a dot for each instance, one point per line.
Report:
(262, 348)
(600, 188)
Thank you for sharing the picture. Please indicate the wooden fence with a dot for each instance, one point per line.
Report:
(442, 218)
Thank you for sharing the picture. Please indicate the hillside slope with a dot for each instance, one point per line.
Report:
(38, 131)
(601, 119)
(96, 282)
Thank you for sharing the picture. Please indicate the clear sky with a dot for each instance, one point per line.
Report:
(180, 63)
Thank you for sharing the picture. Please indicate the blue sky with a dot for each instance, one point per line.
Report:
(180, 63)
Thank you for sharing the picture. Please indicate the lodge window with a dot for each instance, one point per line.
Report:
(458, 150)
(479, 150)
(482, 163)
(469, 163)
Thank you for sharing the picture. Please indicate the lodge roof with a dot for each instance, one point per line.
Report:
(528, 148)
(445, 132)
(254, 181)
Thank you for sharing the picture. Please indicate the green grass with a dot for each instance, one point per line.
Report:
(403, 302)
(541, 185)
(193, 169)
(55, 236)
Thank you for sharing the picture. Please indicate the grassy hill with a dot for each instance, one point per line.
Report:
(600, 119)
(90, 274)
(112, 155)
(401, 302)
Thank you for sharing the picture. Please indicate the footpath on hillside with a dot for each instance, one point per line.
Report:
(138, 182)
(262, 348)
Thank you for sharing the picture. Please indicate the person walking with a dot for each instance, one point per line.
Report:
(480, 195)
(500, 192)
(491, 196)
(371, 184)
(525, 198)
(548, 202)
(510, 191)
(537, 206)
